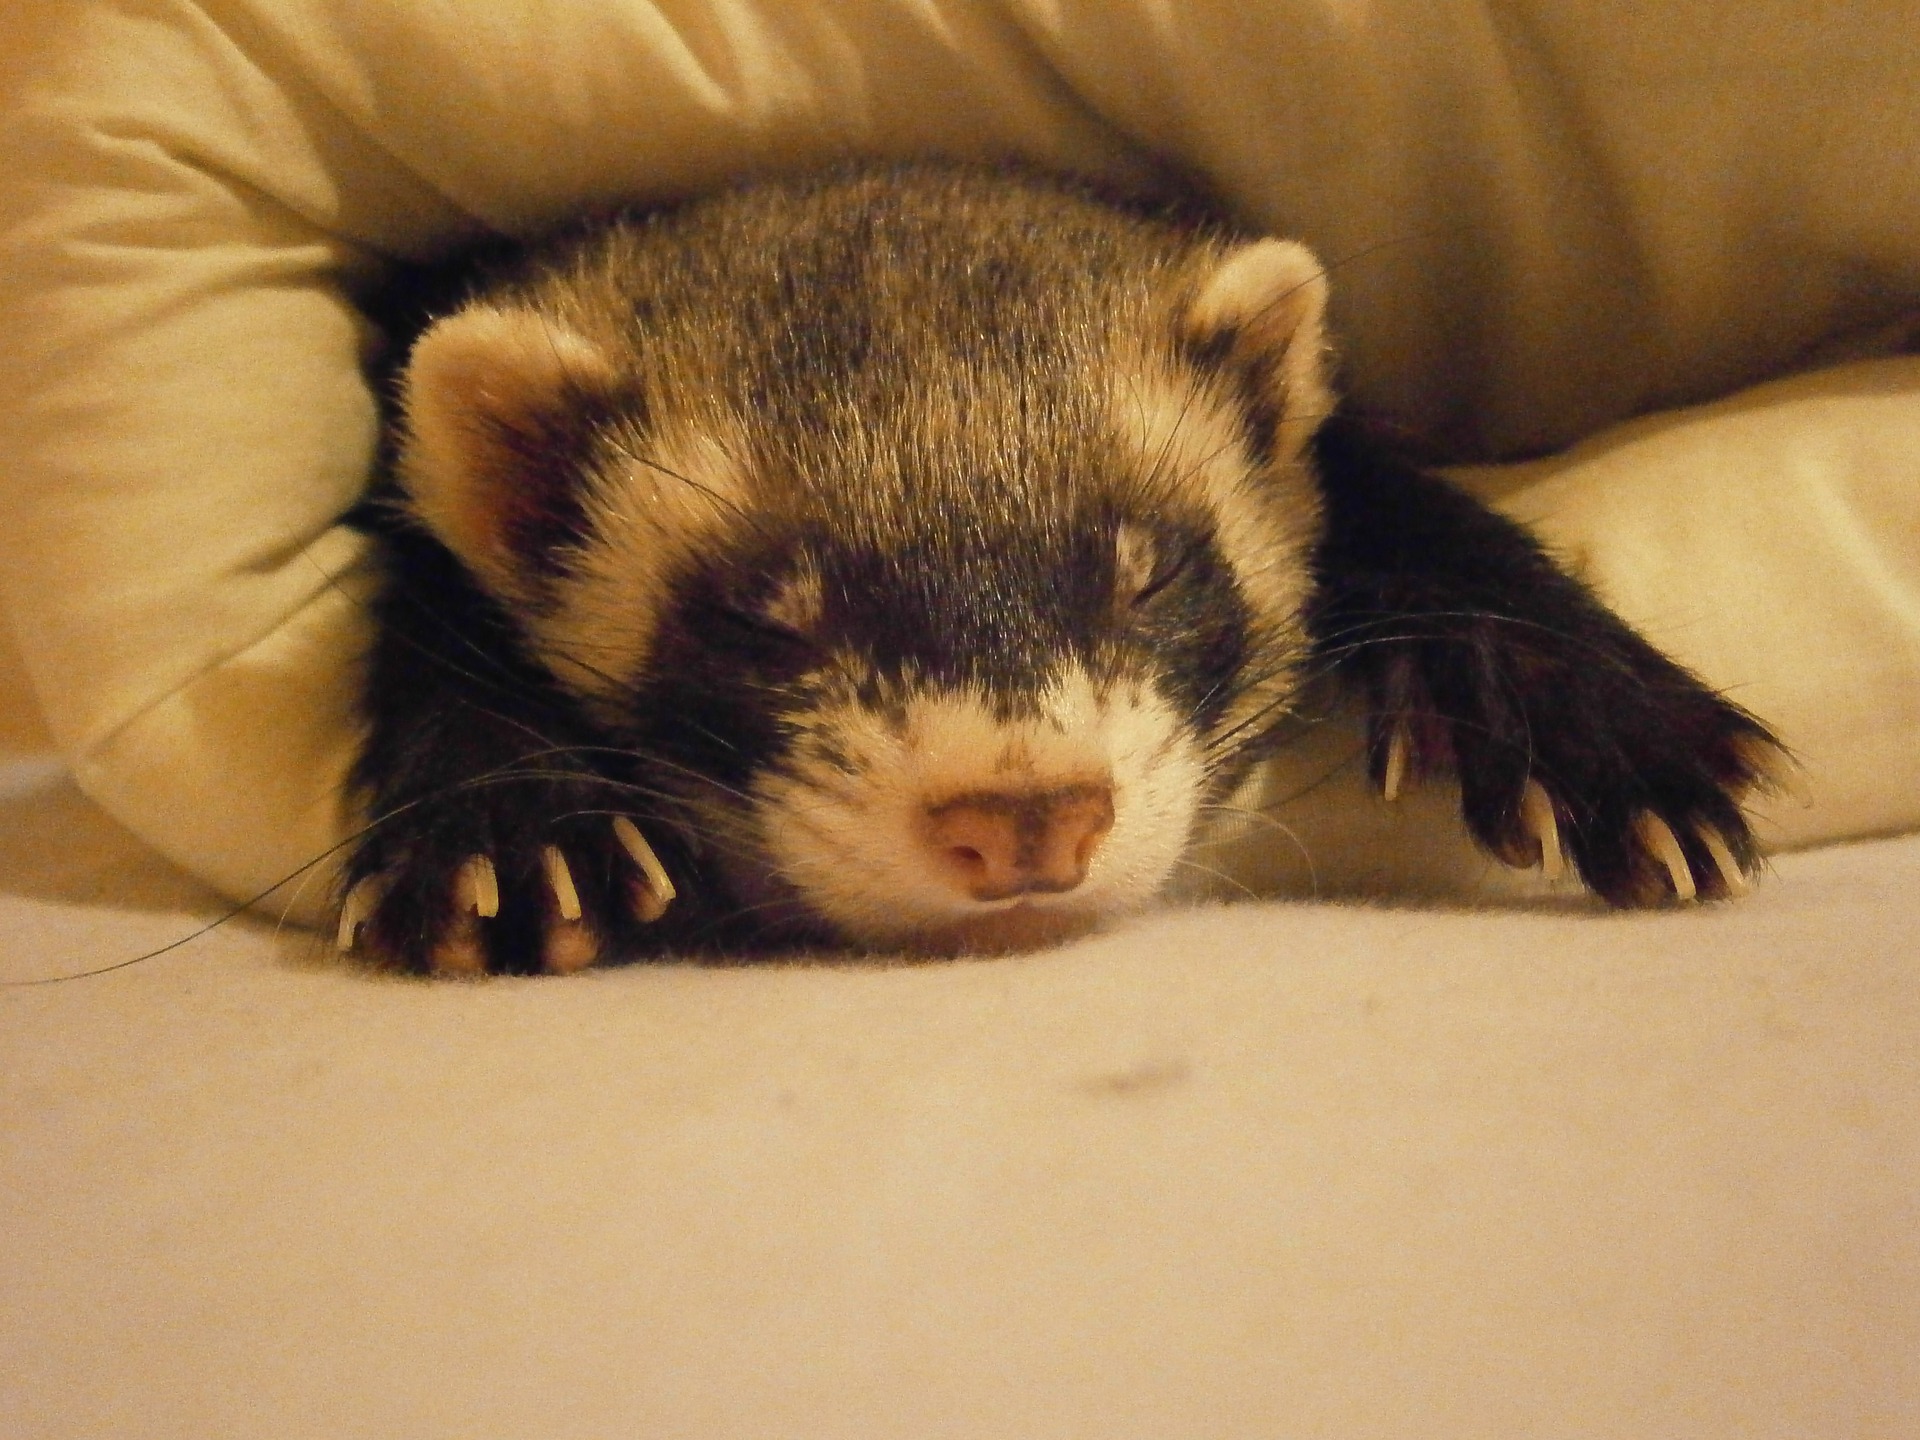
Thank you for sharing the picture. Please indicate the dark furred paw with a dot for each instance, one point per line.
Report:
(483, 888)
(1623, 768)
(506, 834)
(1575, 742)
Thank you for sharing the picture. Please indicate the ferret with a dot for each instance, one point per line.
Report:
(912, 558)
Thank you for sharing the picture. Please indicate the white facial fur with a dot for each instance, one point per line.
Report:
(843, 822)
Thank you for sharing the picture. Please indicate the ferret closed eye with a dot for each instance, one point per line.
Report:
(911, 558)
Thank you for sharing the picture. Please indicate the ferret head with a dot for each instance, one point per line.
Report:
(939, 544)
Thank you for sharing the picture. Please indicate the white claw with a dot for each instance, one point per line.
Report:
(656, 892)
(1724, 862)
(1658, 839)
(1396, 764)
(477, 888)
(565, 898)
(1536, 813)
(353, 912)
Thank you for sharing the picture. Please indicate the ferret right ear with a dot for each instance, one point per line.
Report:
(501, 406)
(1261, 316)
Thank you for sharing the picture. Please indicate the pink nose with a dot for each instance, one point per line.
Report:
(997, 844)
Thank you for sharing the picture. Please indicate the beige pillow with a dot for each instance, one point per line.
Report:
(1543, 218)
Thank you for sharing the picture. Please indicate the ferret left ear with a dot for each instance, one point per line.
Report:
(1261, 315)
(501, 406)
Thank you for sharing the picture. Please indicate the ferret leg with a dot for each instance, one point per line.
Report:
(1574, 740)
(485, 786)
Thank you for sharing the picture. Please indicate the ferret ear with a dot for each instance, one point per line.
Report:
(1261, 316)
(501, 406)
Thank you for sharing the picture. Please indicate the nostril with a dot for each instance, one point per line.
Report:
(1077, 821)
(978, 845)
(967, 858)
(994, 845)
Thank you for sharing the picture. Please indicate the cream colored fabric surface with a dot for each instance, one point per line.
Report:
(1544, 217)
(1263, 1171)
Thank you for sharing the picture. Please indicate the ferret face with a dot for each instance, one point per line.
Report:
(939, 554)
(966, 741)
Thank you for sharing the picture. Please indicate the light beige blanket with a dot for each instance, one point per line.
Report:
(1266, 1171)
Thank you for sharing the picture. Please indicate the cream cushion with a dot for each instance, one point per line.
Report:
(1544, 218)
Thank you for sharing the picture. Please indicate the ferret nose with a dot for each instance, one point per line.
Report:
(994, 845)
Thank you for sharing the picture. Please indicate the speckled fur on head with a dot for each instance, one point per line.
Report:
(853, 496)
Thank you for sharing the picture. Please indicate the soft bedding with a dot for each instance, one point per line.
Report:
(1269, 1168)
(1542, 219)
(1249, 1171)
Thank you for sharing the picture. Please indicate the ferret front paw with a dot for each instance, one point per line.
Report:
(461, 900)
(1576, 742)
(1596, 755)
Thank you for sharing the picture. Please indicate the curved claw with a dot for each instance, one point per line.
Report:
(1659, 841)
(1396, 768)
(354, 911)
(566, 899)
(477, 888)
(655, 891)
(1537, 815)
(1731, 875)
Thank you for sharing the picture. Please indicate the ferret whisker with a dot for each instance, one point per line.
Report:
(1215, 873)
(491, 662)
(573, 660)
(1252, 727)
(643, 759)
(502, 681)
(1231, 690)
(1199, 466)
(1398, 627)
(547, 743)
(1312, 786)
(227, 916)
(723, 502)
(1487, 732)
(1292, 836)
(1327, 269)
(1156, 471)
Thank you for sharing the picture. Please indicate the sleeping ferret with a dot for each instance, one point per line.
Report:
(912, 557)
